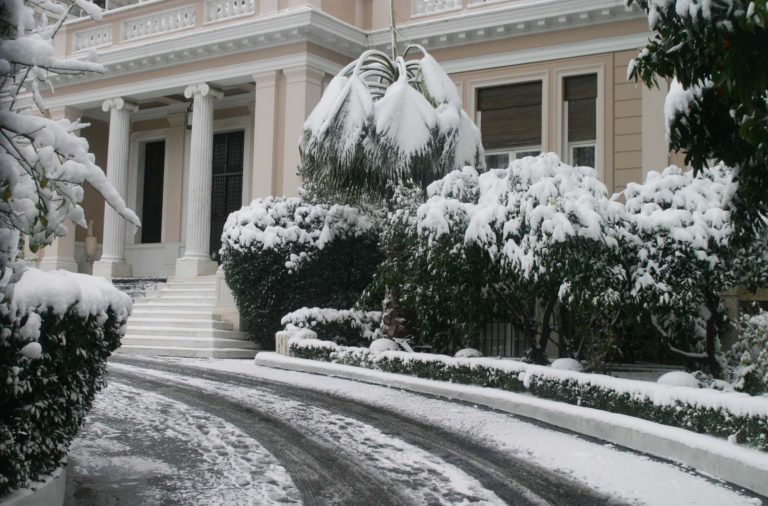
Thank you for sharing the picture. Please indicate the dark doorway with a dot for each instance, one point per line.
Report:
(227, 192)
(152, 199)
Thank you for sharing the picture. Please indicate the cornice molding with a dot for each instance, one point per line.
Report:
(176, 83)
(548, 53)
(472, 25)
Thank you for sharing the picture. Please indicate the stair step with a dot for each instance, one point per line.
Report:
(161, 330)
(167, 313)
(188, 352)
(178, 299)
(187, 342)
(199, 323)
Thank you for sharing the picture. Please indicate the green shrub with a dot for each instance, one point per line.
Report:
(348, 327)
(281, 254)
(44, 400)
(709, 412)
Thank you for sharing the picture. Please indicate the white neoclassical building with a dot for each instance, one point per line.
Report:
(202, 104)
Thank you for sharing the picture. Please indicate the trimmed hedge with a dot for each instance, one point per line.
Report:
(281, 254)
(44, 400)
(704, 411)
(348, 327)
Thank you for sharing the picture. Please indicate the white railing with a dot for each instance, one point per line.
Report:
(159, 22)
(426, 7)
(217, 10)
(92, 38)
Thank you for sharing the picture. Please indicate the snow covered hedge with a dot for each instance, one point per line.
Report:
(58, 328)
(699, 410)
(280, 254)
(350, 327)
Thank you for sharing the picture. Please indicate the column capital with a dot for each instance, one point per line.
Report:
(202, 89)
(119, 104)
(266, 79)
(303, 74)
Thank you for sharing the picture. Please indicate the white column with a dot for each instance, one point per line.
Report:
(264, 135)
(302, 93)
(197, 259)
(112, 263)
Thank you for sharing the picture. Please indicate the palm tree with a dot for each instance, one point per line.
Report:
(385, 121)
(382, 122)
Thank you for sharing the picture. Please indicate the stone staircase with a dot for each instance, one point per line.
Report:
(179, 319)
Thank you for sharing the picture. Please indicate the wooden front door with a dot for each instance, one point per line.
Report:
(227, 189)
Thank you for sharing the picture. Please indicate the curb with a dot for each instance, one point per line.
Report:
(50, 492)
(741, 466)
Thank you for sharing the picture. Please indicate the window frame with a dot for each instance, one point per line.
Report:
(564, 148)
(524, 77)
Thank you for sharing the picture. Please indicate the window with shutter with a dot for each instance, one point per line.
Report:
(510, 121)
(152, 198)
(580, 121)
(227, 183)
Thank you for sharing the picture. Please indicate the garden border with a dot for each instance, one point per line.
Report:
(738, 465)
(49, 492)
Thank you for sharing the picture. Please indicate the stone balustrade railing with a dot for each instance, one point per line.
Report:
(159, 23)
(92, 38)
(427, 7)
(218, 10)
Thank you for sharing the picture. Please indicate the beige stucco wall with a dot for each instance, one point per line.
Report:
(627, 112)
(93, 204)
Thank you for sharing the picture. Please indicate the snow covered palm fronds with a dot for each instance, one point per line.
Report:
(382, 122)
(43, 161)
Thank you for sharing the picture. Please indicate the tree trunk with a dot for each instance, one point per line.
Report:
(539, 354)
(712, 302)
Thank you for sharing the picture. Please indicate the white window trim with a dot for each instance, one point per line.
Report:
(561, 139)
(526, 77)
(512, 153)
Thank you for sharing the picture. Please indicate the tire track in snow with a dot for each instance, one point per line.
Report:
(140, 447)
(514, 480)
(321, 476)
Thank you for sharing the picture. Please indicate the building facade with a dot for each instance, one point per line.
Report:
(202, 103)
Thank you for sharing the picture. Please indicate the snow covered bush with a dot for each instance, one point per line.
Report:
(748, 356)
(441, 289)
(385, 121)
(510, 243)
(71, 323)
(705, 411)
(351, 327)
(280, 254)
(684, 260)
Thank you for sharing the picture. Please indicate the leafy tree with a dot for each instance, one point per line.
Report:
(43, 163)
(684, 258)
(717, 108)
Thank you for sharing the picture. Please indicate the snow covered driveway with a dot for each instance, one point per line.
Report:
(229, 432)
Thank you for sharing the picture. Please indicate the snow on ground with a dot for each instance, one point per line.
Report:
(625, 475)
(427, 479)
(160, 450)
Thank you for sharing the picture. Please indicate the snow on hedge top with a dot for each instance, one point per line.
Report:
(688, 208)
(739, 404)
(520, 210)
(273, 222)
(367, 322)
(60, 290)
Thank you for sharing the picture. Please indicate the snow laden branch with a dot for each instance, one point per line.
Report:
(383, 122)
(43, 162)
